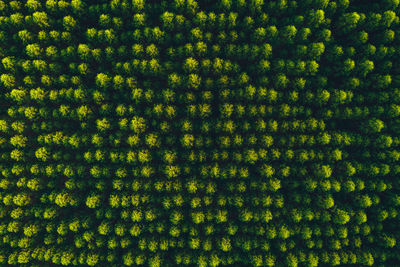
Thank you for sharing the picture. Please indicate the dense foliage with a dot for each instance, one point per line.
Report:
(201, 133)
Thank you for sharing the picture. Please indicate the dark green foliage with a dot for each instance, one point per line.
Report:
(199, 133)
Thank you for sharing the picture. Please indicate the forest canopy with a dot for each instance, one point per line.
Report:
(199, 133)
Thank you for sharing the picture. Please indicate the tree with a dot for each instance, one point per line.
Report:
(382, 81)
(193, 81)
(190, 65)
(326, 202)
(373, 126)
(8, 80)
(366, 258)
(167, 20)
(348, 21)
(383, 141)
(341, 217)
(69, 23)
(365, 67)
(103, 124)
(259, 35)
(92, 259)
(316, 17)
(291, 260)
(41, 19)
(33, 5)
(152, 51)
(78, 6)
(103, 80)
(281, 81)
(118, 82)
(315, 50)
(388, 17)
(138, 5)
(225, 244)
(9, 63)
(289, 32)
(388, 241)
(323, 171)
(16, 20)
(256, 5)
(84, 52)
(311, 67)
(42, 154)
(25, 36)
(93, 201)
(18, 141)
(267, 171)
(174, 80)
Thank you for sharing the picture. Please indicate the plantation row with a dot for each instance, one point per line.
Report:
(199, 133)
